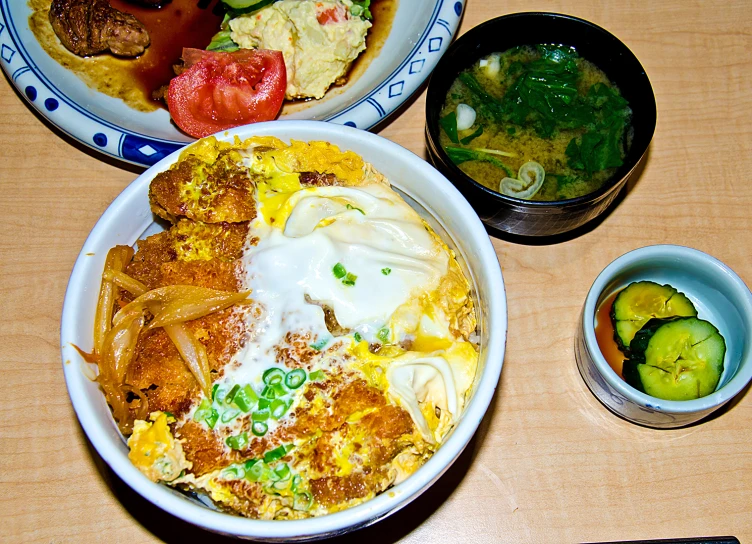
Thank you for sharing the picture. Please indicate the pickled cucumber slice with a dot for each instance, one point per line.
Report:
(642, 301)
(676, 359)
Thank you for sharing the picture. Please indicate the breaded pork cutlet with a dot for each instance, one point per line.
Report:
(210, 206)
(334, 415)
(220, 191)
(191, 253)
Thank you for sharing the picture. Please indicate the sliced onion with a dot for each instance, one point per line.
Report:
(180, 303)
(193, 353)
(465, 117)
(186, 309)
(117, 353)
(116, 337)
(116, 260)
(124, 281)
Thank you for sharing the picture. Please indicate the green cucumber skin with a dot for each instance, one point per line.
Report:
(641, 340)
(636, 369)
(631, 375)
(249, 5)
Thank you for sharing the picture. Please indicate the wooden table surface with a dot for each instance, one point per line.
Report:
(549, 463)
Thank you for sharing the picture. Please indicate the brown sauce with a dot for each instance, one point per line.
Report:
(179, 24)
(604, 334)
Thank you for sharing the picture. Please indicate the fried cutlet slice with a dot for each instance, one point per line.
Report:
(160, 372)
(191, 253)
(209, 192)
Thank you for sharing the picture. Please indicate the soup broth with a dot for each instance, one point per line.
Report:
(539, 106)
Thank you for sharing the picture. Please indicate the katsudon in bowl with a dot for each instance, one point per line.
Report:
(296, 341)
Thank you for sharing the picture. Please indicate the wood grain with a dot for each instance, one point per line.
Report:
(549, 463)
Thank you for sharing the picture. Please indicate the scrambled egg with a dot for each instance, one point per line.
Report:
(357, 358)
(155, 451)
(319, 41)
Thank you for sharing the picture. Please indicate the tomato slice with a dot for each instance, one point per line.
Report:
(221, 90)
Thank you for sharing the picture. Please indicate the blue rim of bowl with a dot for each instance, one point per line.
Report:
(353, 518)
(141, 149)
(716, 399)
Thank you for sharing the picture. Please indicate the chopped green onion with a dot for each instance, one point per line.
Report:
(283, 471)
(302, 501)
(279, 407)
(386, 271)
(259, 428)
(256, 472)
(280, 485)
(357, 337)
(263, 404)
(261, 415)
(229, 415)
(214, 390)
(273, 375)
(248, 464)
(231, 395)
(237, 442)
(318, 346)
(296, 480)
(316, 375)
(203, 410)
(279, 390)
(211, 419)
(169, 414)
(275, 454)
(349, 279)
(245, 398)
(219, 395)
(339, 271)
(268, 392)
(295, 378)
(383, 334)
(233, 471)
(351, 207)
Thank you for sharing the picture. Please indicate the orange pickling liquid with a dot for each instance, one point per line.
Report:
(604, 334)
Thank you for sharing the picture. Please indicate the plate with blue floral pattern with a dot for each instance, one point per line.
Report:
(420, 33)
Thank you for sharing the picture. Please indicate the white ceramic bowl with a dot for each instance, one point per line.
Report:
(720, 297)
(435, 198)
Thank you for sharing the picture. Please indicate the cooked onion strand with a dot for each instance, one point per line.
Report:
(193, 353)
(115, 261)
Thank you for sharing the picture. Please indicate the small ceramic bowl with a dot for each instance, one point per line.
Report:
(527, 217)
(720, 297)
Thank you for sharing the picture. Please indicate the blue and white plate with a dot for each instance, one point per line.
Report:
(421, 32)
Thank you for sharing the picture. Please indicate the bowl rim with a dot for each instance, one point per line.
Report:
(715, 267)
(584, 200)
(104, 439)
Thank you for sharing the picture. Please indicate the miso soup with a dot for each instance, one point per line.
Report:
(537, 123)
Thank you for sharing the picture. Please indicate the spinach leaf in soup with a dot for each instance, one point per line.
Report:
(544, 104)
(601, 146)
